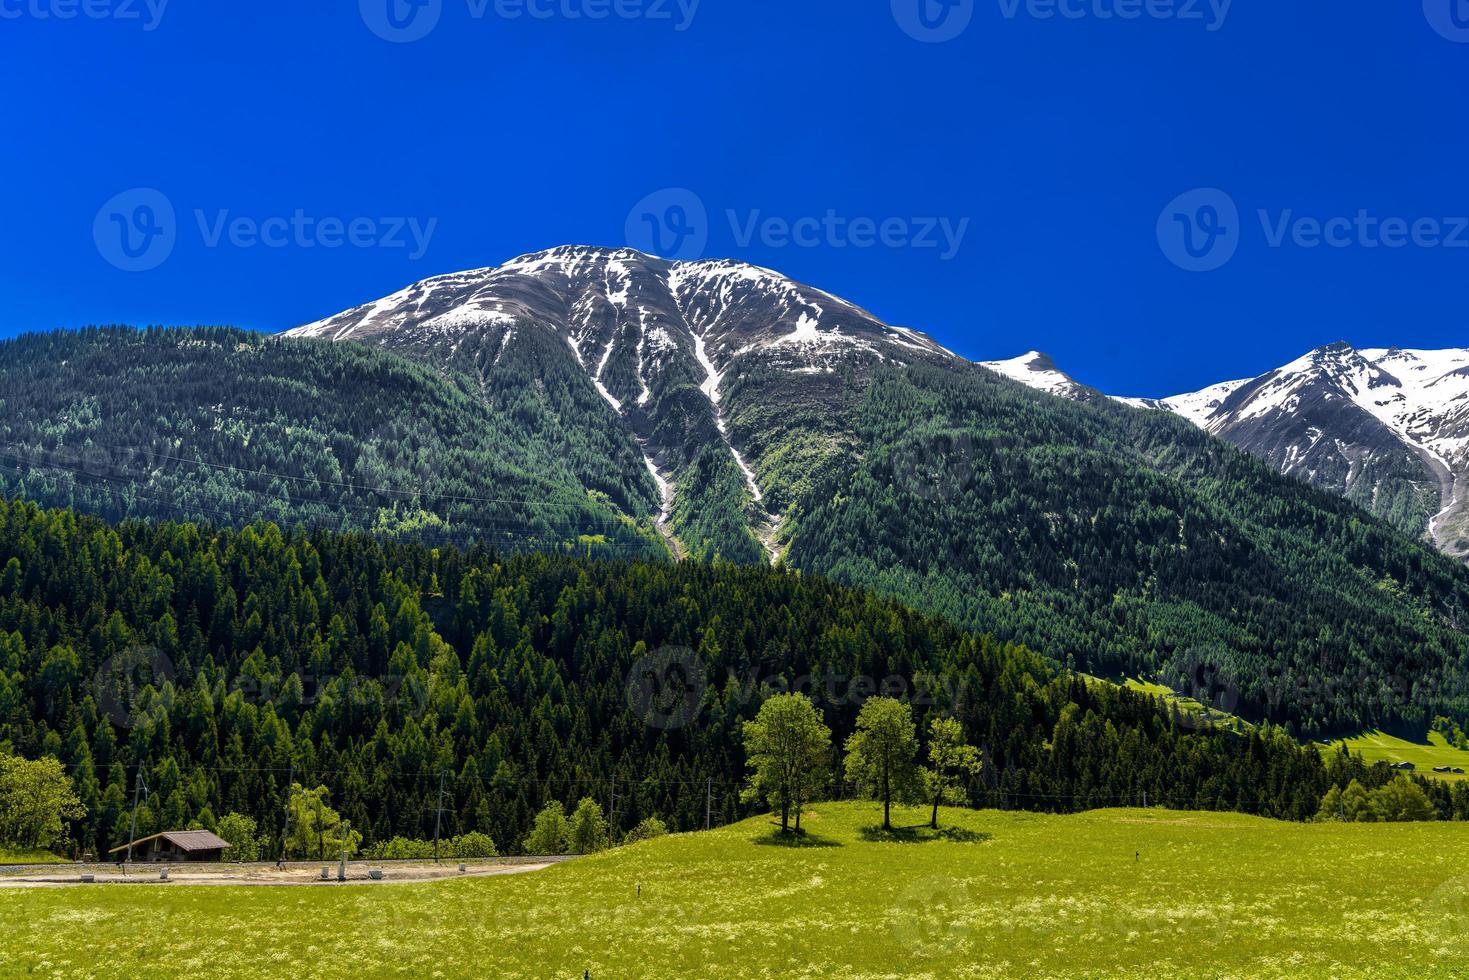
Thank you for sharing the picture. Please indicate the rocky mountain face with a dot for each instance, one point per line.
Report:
(1386, 428)
(726, 376)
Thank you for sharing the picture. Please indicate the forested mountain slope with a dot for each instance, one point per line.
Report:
(230, 426)
(1132, 541)
(225, 663)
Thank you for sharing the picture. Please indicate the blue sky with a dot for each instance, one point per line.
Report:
(1054, 143)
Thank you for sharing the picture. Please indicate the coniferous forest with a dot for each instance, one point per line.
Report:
(226, 664)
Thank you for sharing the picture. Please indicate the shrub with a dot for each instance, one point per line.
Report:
(548, 836)
(649, 828)
(460, 848)
(240, 831)
(588, 831)
(472, 845)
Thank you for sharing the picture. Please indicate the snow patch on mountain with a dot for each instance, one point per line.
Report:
(1038, 371)
(1199, 405)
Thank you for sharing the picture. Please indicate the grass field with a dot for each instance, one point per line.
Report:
(1109, 893)
(1432, 751)
(29, 857)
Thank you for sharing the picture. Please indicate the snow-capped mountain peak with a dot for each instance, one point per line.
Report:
(1039, 371)
(646, 332)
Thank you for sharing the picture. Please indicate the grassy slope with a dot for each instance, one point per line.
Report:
(1380, 746)
(1190, 708)
(1373, 746)
(1030, 895)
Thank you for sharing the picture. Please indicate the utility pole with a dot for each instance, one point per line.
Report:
(612, 810)
(133, 829)
(709, 803)
(439, 815)
(286, 827)
(346, 833)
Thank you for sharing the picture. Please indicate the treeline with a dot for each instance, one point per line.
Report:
(224, 665)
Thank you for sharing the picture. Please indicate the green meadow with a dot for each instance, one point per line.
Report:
(1109, 893)
(1425, 754)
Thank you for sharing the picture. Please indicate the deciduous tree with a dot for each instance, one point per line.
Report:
(35, 798)
(950, 761)
(787, 747)
(882, 754)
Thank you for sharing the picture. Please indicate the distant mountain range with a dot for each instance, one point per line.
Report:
(604, 402)
(1386, 428)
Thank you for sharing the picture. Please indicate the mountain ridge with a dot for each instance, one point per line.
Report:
(1386, 427)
